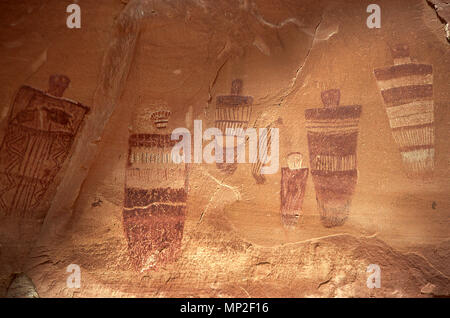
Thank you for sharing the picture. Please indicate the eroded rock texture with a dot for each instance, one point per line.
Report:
(362, 176)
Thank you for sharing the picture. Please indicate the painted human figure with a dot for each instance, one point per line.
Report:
(155, 194)
(293, 184)
(407, 91)
(41, 129)
(332, 134)
(232, 112)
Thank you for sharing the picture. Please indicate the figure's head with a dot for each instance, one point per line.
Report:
(294, 160)
(236, 87)
(331, 98)
(400, 53)
(151, 115)
(161, 118)
(57, 84)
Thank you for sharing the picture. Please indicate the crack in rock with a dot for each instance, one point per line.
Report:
(234, 189)
(254, 11)
(442, 10)
(300, 68)
(221, 184)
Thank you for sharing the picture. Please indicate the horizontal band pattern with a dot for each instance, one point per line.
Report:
(402, 70)
(152, 140)
(150, 156)
(222, 125)
(333, 114)
(412, 120)
(230, 116)
(407, 91)
(332, 134)
(135, 197)
(328, 126)
(417, 107)
(173, 176)
(233, 100)
(335, 128)
(406, 81)
(406, 94)
(339, 145)
(411, 137)
(334, 163)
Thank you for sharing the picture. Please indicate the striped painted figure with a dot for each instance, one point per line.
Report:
(407, 91)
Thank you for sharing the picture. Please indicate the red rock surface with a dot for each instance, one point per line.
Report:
(132, 56)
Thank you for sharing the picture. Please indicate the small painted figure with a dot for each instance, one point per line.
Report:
(293, 183)
(232, 112)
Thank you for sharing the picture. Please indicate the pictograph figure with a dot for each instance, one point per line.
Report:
(161, 118)
(407, 91)
(232, 111)
(293, 183)
(40, 132)
(264, 148)
(155, 196)
(332, 134)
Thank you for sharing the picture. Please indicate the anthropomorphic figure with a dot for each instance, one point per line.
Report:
(41, 130)
(155, 193)
(293, 183)
(407, 91)
(332, 134)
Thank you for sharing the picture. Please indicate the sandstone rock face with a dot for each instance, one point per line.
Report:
(22, 287)
(355, 144)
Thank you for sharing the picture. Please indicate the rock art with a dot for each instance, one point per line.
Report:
(293, 182)
(407, 90)
(332, 139)
(155, 195)
(41, 129)
(232, 112)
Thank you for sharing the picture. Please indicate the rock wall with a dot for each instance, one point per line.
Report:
(362, 118)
